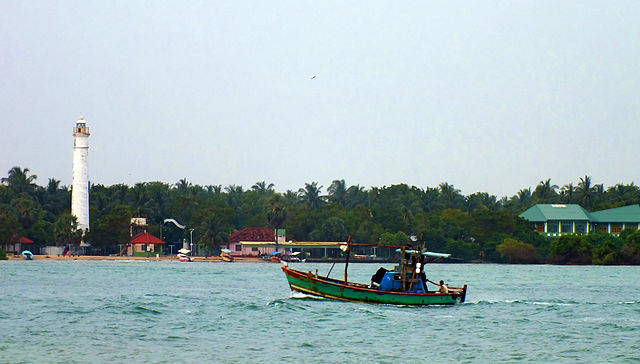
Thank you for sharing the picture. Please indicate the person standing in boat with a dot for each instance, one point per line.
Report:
(443, 287)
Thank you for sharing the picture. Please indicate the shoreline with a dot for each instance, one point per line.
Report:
(213, 259)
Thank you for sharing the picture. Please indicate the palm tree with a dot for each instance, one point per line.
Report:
(310, 195)
(585, 191)
(481, 200)
(567, 193)
(29, 211)
(262, 188)
(337, 191)
(139, 201)
(354, 196)
(65, 229)
(214, 189)
(545, 192)
(524, 197)
(291, 198)
(276, 211)
(234, 195)
(214, 230)
(430, 199)
(450, 196)
(19, 180)
(183, 186)
(55, 199)
(158, 194)
(621, 193)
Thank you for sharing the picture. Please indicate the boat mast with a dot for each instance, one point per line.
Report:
(346, 264)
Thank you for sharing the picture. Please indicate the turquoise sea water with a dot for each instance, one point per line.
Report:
(171, 312)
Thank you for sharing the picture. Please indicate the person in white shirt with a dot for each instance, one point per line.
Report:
(443, 288)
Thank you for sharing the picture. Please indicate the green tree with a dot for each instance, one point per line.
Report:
(332, 229)
(571, 249)
(515, 251)
(310, 195)
(276, 211)
(455, 224)
(545, 192)
(215, 227)
(631, 249)
(450, 196)
(65, 229)
(29, 211)
(337, 192)
(355, 196)
(398, 238)
(19, 181)
(9, 225)
(585, 191)
(110, 230)
(567, 193)
(263, 188)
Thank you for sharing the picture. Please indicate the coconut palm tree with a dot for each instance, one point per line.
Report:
(262, 188)
(585, 191)
(215, 229)
(621, 193)
(567, 193)
(291, 198)
(545, 192)
(214, 189)
(183, 186)
(19, 181)
(139, 201)
(234, 195)
(276, 211)
(356, 195)
(450, 196)
(337, 192)
(310, 195)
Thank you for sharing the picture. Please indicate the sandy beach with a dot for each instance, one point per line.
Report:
(153, 258)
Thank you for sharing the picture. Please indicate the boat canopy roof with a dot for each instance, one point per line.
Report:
(437, 255)
(428, 254)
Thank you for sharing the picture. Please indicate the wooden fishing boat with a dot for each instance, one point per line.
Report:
(406, 284)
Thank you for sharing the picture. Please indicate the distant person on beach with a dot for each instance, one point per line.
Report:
(443, 287)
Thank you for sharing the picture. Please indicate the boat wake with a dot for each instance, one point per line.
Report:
(300, 295)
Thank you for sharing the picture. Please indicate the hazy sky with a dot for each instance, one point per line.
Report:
(488, 96)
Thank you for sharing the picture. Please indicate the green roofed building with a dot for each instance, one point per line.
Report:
(558, 219)
(618, 219)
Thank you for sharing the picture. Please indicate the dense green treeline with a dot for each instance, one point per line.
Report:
(474, 227)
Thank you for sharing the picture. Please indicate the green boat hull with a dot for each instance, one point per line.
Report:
(309, 283)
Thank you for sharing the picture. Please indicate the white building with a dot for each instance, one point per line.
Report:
(80, 180)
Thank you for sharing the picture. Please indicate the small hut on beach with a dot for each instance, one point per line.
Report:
(16, 244)
(144, 244)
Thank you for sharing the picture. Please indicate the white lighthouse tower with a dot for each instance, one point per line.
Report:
(80, 181)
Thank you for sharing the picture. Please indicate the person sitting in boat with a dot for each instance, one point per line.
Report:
(443, 287)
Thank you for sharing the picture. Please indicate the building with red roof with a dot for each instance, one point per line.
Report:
(16, 244)
(250, 234)
(144, 244)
